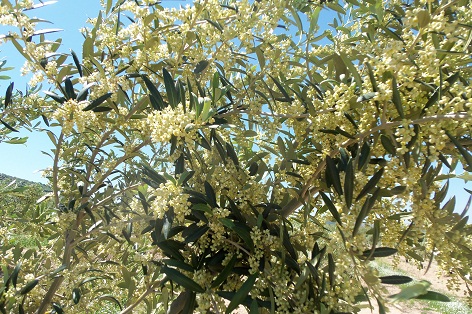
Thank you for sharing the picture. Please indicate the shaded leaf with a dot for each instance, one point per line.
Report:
(97, 102)
(201, 66)
(242, 293)
(370, 185)
(8, 94)
(433, 296)
(331, 208)
(182, 280)
(56, 97)
(77, 63)
(8, 126)
(172, 95)
(349, 183)
(76, 295)
(333, 174)
(225, 272)
(380, 252)
(395, 279)
(29, 286)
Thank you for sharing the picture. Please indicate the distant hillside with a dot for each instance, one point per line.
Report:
(6, 179)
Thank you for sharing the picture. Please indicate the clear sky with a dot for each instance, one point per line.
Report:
(25, 161)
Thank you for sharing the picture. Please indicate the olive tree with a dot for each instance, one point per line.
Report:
(240, 153)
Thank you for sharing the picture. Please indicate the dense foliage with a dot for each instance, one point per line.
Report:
(237, 152)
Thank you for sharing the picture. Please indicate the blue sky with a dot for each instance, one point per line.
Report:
(25, 161)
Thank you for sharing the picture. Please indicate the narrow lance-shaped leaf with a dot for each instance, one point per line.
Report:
(331, 270)
(97, 102)
(282, 89)
(333, 174)
(370, 185)
(395, 280)
(201, 66)
(242, 293)
(223, 275)
(210, 194)
(182, 280)
(388, 144)
(172, 94)
(70, 93)
(349, 183)
(156, 99)
(77, 63)
(8, 126)
(56, 97)
(433, 296)
(331, 208)
(76, 295)
(8, 94)
(467, 156)
(380, 252)
(29, 286)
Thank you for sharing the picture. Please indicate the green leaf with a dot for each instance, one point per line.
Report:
(242, 293)
(182, 280)
(153, 175)
(352, 68)
(388, 144)
(349, 183)
(29, 286)
(364, 157)
(69, 90)
(8, 126)
(232, 154)
(331, 270)
(215, 25)
(172, 94)
(82, 95)
(281, 88)
(395, 279)
(54, 96)
(201, 66)
(396, 98)
(434, 296)
(77, 63)
(46, 31)
(241, 229)
(8, 94)
(57, 308)
(333, 174)
(467, 156)
(183, 304)
(76, 295)
(224, 273)
(380, 252)
(331, 208)
(155, 97)
(17, 140)
(111, 298)
(210, 194)
(14, 274)
(370, 185)
(97, 102)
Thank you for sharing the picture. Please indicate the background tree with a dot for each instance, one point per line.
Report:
(229, 150)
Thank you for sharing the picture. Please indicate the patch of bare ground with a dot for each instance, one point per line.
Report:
(434, 275)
